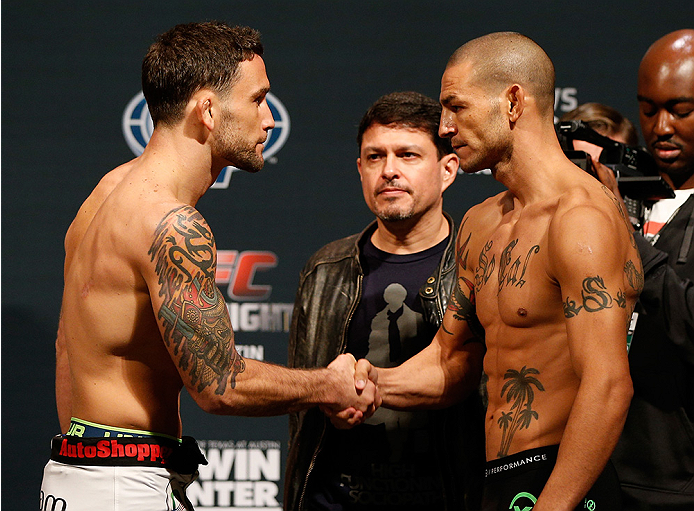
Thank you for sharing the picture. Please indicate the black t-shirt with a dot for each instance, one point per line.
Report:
(387, 463)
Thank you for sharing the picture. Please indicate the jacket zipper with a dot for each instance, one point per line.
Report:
(343, 347)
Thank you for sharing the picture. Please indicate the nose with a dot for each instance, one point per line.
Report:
(268, 121)
(447, 127)
(663, 123)
(390, 171)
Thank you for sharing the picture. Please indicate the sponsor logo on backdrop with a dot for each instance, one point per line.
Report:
(240, 277)
(138, 127)
(239, 475)
(565, 100)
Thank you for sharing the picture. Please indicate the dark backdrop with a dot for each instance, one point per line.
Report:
(70, 69)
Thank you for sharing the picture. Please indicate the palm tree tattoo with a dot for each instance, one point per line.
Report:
(520, 391)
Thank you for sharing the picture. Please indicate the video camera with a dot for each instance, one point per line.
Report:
(637, 175)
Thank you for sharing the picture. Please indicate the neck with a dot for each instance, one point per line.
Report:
(180, 164)
(536, 167)
(412, 235)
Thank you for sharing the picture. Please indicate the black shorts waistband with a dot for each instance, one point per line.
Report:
(183, 457)
(522, 461)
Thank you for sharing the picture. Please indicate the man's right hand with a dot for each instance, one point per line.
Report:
(362, 393)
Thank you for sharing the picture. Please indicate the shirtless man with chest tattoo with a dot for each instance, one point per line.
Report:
(548, 275)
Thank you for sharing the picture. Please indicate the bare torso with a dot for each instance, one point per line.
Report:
(531, 379)
(120, 371)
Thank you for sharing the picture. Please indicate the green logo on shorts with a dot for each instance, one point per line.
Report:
(522, 495)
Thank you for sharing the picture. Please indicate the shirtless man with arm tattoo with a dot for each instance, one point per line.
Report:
(141, 314)
(548, 274)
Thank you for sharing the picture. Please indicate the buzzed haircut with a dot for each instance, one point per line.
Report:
(501, 59)
(605, 120)
(407, 110)
(190, 57)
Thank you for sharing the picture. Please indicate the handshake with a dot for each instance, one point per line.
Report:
(354, 394)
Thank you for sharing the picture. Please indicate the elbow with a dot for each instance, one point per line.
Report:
(621, 392)
(213, 403)
(627, 391)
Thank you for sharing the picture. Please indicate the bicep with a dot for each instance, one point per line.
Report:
(589, 256)
(190, 310)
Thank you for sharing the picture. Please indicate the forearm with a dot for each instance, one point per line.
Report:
(264, 389)
(591, 433)
(434, 378)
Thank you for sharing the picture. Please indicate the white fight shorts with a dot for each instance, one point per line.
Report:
(91, 488)
(119, 473)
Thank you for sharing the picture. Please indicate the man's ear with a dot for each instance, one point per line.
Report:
(515, 100)
(450, 163)
(359, 168)
(205, 107)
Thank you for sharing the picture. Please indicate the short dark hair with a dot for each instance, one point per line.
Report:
(500, 59)
(190, 57)
(409, 110)
(605, 120)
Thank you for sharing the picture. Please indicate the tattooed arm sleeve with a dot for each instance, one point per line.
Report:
(191, 310)
(196, 328)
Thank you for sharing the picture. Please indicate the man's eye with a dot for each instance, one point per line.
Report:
(373, 157)
(682, 112)
(409, 155)
(647, 110)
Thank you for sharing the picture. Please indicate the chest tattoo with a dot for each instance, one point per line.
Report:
(485, 267)
(510, 271)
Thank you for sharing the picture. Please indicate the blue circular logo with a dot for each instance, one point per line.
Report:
(138, 127)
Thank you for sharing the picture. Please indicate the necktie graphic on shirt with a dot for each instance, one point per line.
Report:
(391, 329)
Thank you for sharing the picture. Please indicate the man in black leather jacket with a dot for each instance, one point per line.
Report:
(655, 455)
(381, 294)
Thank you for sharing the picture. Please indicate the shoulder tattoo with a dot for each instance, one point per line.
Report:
(622, 214)
(634, 276)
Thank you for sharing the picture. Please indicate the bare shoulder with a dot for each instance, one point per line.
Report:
(88, 209)
(590, 223)
(591, 209)
(182, 239)
(485, 216)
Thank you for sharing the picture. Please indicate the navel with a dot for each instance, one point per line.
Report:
(522, 312)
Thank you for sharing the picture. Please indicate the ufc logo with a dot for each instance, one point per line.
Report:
(238, 269)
